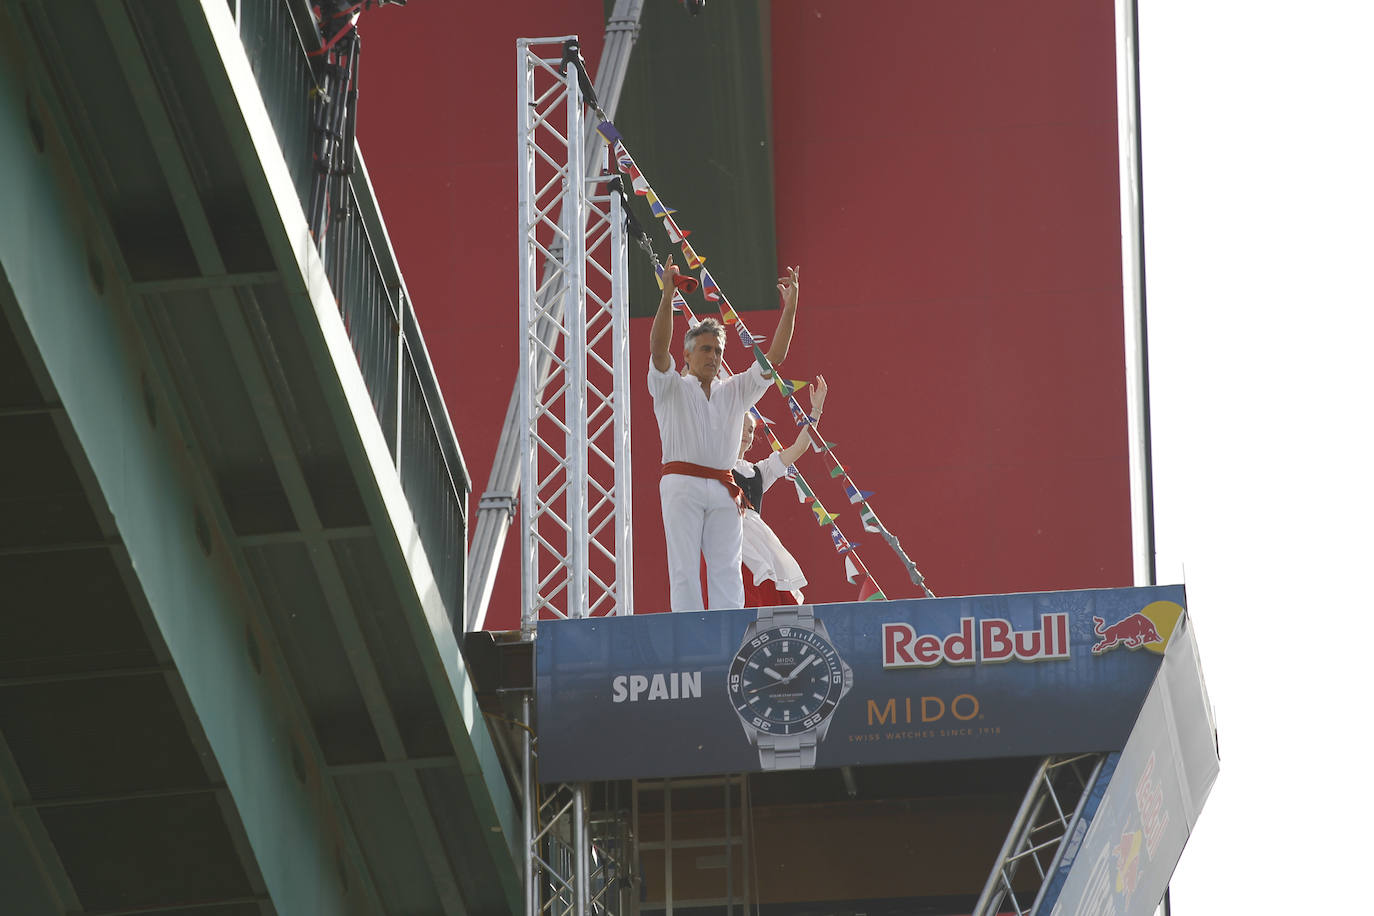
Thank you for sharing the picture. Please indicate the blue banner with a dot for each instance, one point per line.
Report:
(847, 684)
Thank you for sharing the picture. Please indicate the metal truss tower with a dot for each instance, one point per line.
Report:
(575, 432)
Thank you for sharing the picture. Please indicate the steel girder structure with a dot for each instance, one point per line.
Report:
(575, 442)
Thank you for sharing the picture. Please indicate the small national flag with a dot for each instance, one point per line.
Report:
(791, 468)
(674, 233)
(851, 572)
(789, 385)
(709, 288)
(837, 471)
(869, 591)
(657, 206)
(658, 275)
(762, 360)
(804, 494)
(870, 520)
(679, 303)
(818, 446)
(856, 495)
(749, 340)
(758, 415)
(693, 259)
(607, 130)
(823, 517)
(797, 413)
(842, 544)
(727, 314)
(627, 165)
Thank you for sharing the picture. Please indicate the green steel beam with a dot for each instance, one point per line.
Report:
(198, 284)
(214, 37)
(92, 353)
(25, 821)
(272, 424)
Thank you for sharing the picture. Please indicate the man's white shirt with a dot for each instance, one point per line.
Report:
(699, 430)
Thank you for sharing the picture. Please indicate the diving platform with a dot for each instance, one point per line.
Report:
(888, 756)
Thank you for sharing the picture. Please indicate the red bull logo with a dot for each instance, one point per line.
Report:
(1133, 632)
(1148, 628)
(1127, 855)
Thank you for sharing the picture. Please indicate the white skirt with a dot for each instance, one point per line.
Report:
(766, 558)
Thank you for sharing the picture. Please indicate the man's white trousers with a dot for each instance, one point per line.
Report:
(700, 519)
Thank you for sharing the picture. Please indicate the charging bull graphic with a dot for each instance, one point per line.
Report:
(1127, 854)
(1132, 632)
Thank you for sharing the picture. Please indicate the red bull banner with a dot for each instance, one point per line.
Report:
(848, 684)
(1119, 857)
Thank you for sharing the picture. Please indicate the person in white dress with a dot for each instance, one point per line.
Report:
(772, 576)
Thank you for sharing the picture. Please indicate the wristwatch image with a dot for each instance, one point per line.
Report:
(785, 682)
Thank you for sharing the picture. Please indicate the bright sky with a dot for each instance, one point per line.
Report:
(1259, 226)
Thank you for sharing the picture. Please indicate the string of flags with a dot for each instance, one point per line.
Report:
(856, 573)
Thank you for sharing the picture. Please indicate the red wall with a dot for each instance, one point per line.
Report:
(946, 176)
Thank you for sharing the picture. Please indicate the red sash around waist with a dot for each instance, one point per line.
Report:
(700, 470)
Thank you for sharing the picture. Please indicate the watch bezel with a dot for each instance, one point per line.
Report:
(835, 679)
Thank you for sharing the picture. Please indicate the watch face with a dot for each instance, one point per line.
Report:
(786, 680)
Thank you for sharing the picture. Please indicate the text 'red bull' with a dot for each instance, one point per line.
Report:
(991, 640)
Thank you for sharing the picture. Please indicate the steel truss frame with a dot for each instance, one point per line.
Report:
(575, 432)
(1051, 809)
(575, 862)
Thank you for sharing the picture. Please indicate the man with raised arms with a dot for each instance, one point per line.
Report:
(699, 421)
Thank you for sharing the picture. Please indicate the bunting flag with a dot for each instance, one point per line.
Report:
(804, 494)
(869, 591)
(693, 259)
(818, 446)
(856, 495)
(749, 340)
(679, 303)
(842, 543)
(823, 517)
(788, 386)
(870, 520)
(837, 471)
(658, 275)
(656, 205)
(758, 415)
(607, 130)
(675, 234)
(792, 472)
(627, 165)
(851, 572)
(727, 314)
(762, 360)
(693, 321)
(709, 288)
(797, 414)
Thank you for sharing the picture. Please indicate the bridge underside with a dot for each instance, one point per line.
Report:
(229, 682)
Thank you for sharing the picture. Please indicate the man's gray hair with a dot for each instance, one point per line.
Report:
(707, 326)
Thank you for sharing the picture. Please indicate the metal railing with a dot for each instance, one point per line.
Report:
(372, 298)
